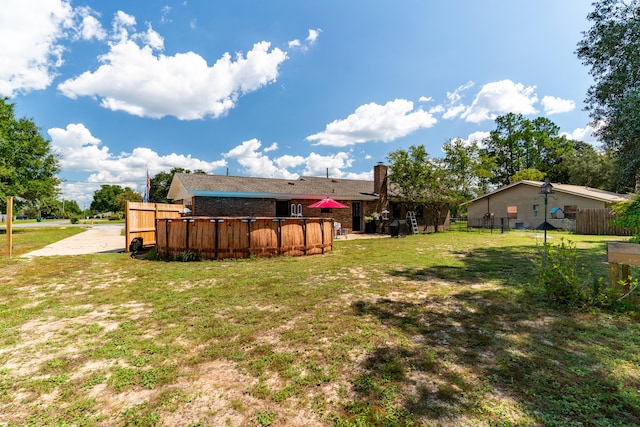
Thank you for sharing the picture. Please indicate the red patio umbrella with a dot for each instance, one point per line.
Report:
(328, 203)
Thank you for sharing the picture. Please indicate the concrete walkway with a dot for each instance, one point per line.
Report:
(99, 239)
(108, 238)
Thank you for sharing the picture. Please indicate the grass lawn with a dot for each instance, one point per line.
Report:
(441, 329)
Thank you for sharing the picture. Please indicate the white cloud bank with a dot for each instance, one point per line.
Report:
(498, 98)
(586, 134)
(137, 78)
(81, 152)
(256, 163)
(30, 43)
(553, 105)
(374, 122)
(397, 119)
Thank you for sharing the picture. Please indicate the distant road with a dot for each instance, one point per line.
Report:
(52, 223)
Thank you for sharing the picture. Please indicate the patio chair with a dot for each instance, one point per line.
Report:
(339, 231)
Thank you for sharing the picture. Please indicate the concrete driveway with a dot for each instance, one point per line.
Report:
(99, 239)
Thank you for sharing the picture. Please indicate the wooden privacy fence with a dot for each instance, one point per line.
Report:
(140, 220)
(598, 222)
(220, 238)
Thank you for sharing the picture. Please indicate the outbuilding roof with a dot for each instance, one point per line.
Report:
(586, 192)
(185, 185)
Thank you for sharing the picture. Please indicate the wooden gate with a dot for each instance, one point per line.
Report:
(141, 220)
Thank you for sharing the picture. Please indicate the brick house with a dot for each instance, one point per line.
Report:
(238, 196)
(219, 195)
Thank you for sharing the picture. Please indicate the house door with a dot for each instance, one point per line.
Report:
(356, 216)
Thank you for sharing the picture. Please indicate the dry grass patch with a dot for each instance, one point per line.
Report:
(444, 329)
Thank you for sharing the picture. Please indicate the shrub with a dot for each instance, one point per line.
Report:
(187, 256)
(559, 273)
(628, 215)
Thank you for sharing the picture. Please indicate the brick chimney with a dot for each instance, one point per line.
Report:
(380, 186)
(380, 178)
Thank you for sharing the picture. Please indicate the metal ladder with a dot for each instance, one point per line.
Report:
(411, 217)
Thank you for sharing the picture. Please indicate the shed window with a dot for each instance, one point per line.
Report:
(512, 212)
(570, 211)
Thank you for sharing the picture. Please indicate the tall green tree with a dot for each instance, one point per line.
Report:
(409, 172)
(589, 167)
(611, 50)
(70, 207)
(518, 144)
(104, 199)
(128, 195)
(420, 181)
(28, 168)
(160, 183)
(467, 171)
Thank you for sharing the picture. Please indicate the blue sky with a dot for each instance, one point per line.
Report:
(281, 88)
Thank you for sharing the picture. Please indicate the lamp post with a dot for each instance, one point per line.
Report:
(545, 189)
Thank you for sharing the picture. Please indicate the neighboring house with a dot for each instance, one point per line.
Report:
(219, 195)
(521, 204)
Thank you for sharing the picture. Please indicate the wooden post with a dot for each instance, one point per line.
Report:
(10, 226)
(626, 271)
(127, 225)
(613, 275)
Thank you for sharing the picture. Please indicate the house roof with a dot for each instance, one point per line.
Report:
(577, 190)
(185, 185)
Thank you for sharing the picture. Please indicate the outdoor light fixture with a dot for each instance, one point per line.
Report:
(385, 215)
(545, 189)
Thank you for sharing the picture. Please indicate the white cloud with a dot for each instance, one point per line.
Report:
(256, 163)
(586, 134)
(272, 147)
(453, 107)
(455, 96)
(165, 15)
(374, 122)
(437, 109)
(30, 43)
(313, 35)
(478, 137)
(499, 98)
(453, 112)
(287, 161)
(150, 38)
(88, 26)
(310, 40)
(553, 105)
(134, 79)
(317, 165)
(425, 99)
